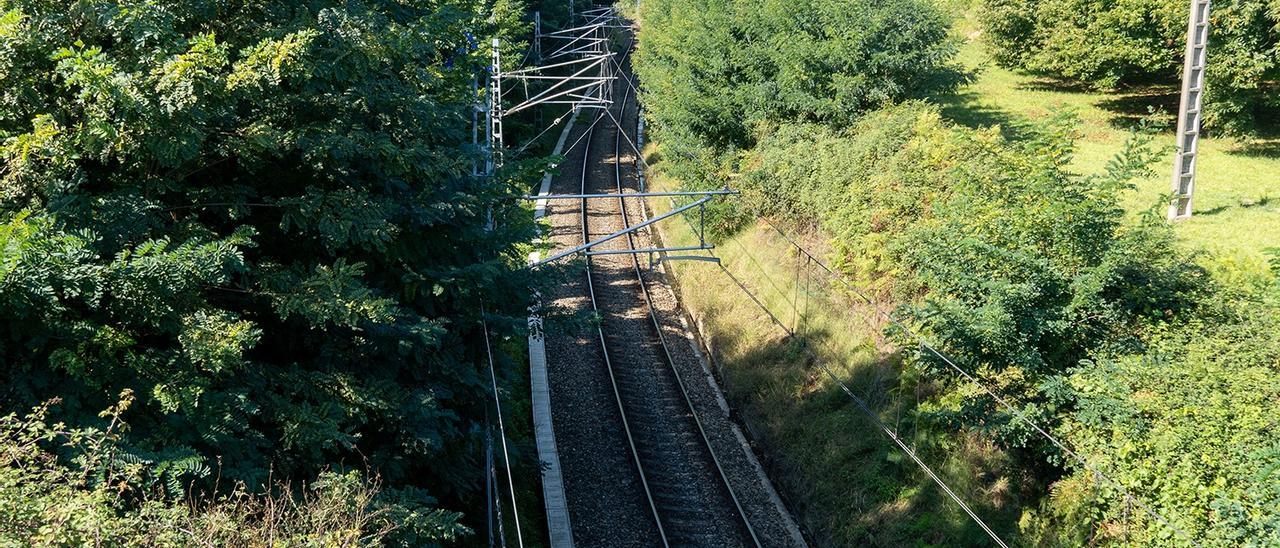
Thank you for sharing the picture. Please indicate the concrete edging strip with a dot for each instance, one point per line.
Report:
(559, 530)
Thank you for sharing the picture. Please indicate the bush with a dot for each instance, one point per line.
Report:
(1188, 425)
(1018, 270)
(260, 218)
(717, 74)
(862, 186)
(78, 487)
(1024, 267)
(713, 70)
(1113, 43)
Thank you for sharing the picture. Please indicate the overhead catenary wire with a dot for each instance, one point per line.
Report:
(581, 137)
(553, 92)
(1004, 403)
(540, 134)
(502, 431)
(866, 409)
(540, 68)
(926, 345)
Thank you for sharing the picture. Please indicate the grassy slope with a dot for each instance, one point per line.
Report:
(843, 477)
(839, 473)
(1238, 184)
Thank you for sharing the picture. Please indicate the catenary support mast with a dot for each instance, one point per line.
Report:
(1189, 111)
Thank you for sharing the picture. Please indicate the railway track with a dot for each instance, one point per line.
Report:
(673, 457)
(649, 457)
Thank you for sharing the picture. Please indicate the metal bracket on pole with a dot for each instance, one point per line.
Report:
(690, 193)
(623, 232)
(703, 258)
(650, 251)
(1189, 111)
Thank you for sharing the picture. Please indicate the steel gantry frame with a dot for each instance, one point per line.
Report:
(584, 49)
(588, 43)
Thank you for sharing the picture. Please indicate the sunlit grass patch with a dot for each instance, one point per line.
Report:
(1237, 201)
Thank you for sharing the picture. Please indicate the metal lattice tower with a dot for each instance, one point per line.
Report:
(1189, 111)
(537, 38)
(494, 131)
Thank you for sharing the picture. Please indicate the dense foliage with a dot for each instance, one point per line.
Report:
(105, 497)
(1190, 421)
(714, 70)
(1026, 267)
(1091, 324)
(260, 218)
(1153, 362)
(1111, 43)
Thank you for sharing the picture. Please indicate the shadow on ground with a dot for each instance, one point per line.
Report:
(1131, 106)
(967, 109)
(845, 478)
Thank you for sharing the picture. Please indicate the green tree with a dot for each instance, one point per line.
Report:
(1110, 43)
(718, 74)
(260, 217)
(712, 70)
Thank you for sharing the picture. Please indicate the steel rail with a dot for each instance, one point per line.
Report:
(657, 324)
(620, 233)
(698, 193)
(604, 348)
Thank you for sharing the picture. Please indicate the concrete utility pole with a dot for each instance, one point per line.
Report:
(1189, 111)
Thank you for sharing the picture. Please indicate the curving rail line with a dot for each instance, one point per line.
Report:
(656, 505)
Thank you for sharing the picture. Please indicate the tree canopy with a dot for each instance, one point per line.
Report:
(1151, 359)
(259, 217)
(1109, 43)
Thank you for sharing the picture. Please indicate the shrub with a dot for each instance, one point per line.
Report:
(260, 218)
(77, 487)
(862, 186)
(1018, 270)
(1015, 266)
(1113, 43)
(712, 70)
(1188, 425)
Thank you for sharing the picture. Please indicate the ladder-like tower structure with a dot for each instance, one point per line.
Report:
(1189, 111)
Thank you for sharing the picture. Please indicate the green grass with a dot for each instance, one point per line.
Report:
(1237, 208)
(846, 481)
